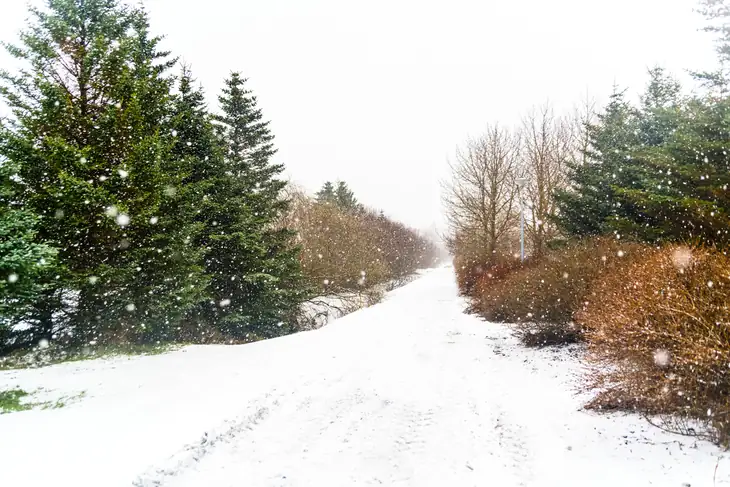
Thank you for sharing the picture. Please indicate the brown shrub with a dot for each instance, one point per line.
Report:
(473, 274)
(352, 250)
(549, 289)
(467, 273)
(659, 339)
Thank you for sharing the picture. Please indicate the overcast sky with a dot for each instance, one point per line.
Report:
(379, 93)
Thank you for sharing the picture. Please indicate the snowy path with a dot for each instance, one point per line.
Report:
(410, 392)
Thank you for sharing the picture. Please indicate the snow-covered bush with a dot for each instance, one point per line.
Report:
(659, 337)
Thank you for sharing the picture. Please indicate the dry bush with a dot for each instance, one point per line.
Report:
(471, 262)
(659, 337)
(338, 251)
(352, 250)
(403, 249)
(542, 295)
(467, 273)
(471, 273)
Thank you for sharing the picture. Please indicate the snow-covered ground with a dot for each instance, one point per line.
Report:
(408, 392)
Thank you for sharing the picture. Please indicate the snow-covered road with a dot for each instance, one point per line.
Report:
(409, 392)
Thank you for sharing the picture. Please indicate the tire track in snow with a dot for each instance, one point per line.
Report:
(193, 453)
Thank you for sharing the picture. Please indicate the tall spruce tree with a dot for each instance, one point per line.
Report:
(589, 203)
(345, 197)
(256, 279)
(657, 121)
(657, 174)
(90, 137)
(201, 153)
(327, 193)
(340, 196)
(684, 191)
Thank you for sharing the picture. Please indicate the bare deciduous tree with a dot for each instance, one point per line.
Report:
(547, 147)
(481, 200)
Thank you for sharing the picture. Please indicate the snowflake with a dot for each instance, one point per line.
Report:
(661, 358)
(122, 220)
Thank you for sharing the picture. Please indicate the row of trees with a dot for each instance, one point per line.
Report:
(503, 172)
(131, 213)
(347, 247)
(657, 171)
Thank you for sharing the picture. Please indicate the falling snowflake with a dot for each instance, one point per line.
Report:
(123, 174)
(154, 220)
(93, 280)
(130, 307)
(224, 303)
(661, 358)
(122, 220)
(111, 211)
(43, 344)
(681, 258)
(12, 278)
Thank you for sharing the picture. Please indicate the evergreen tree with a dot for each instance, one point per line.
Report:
(659, 103)
(91, 142)
(683, 195)
(256, 280)
(656, 174)
(340, 196)
(586, 207)
(195, 143)
(657, 121)
(26, 265)
(327, 193)
(200, 152)
(345, 198)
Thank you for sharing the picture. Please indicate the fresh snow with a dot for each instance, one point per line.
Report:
(409, 392)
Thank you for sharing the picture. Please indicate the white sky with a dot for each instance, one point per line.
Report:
(380, 92)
